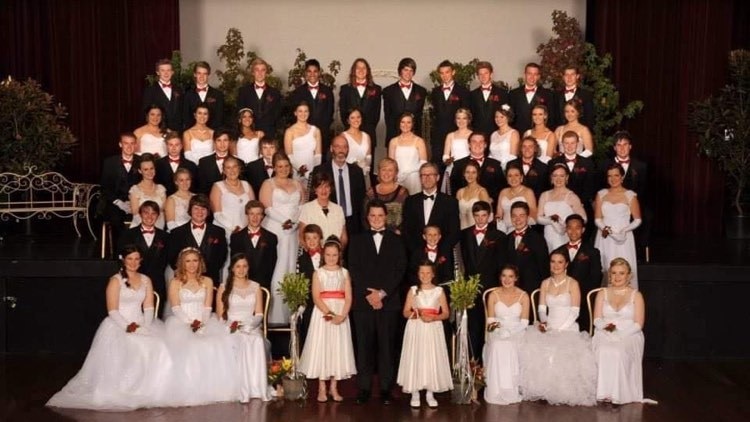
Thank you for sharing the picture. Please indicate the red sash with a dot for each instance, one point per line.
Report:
(333, 294)
(429, 311)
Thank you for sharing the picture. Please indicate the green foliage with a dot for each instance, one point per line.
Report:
(464, 291)
(294, 289)
(183, 74)
(567, 48)
(297, 72)
(465, 73)
(31, 128)
(722, 123)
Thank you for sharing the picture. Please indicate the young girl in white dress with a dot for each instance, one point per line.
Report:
(424, 357)
(619, 315)
(410, 152)
(456, 145)
(239, 303)
(198, 141)
(247, 147)
(147, 190)
(545, 138)
(128, 362)
(205, 370)
(150, 137)
(328, 353)
(515, 192)
(302, 143)
(507, 320)
(360, 145)
(504, 142)
(557, 364)
(555, 205)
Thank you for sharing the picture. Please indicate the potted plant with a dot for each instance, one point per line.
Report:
(463, 294)
(277, 371)
(722, 123)
(294, 290)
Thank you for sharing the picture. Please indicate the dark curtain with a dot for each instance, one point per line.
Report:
(670, 53)
(93, 56)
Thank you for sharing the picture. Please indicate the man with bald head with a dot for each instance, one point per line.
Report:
(348, 190)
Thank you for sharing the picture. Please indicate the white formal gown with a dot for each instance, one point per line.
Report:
(466, 217)
(617, 216)
(122, 371)
(160, 197)
(407, 157)
(181, 215)
(500, 355)
(248, 149)
(328, 350)
(303, 153)
(284, 206)
(358, 151)
(153, 144)
(199, 148)
(505, 204)
(424, 357)
(500, 147)
(232, 213)
(554, 232)
(459, 150)
(619, 356)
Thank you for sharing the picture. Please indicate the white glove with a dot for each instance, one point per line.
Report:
(255, 321)
(206, 314)
(123, 205)
(586, 153)
(171, 225)
(542, 310)
(544, 220)
(223, 220)
(599, 323)
(501, 226)
(118, 319)
(600, 223)
(179, 313)
(521, 326)
(627, 328)
(571, 319)
(317, 159)
(368, 162)
(148, 316)
(632, 226)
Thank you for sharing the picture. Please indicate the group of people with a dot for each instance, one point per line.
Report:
(480, 199)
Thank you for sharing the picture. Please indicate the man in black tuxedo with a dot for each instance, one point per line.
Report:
(446, 99)
(348, 190)
(153, 243)
(165, 94)
(203, 93)
(263, 99)
(404, 96)
(582, 178)
(491, 175)
(524, 98)
(258, 171)
(257, 243)
(211, 167)
(483, 253)
(485, 100)
(119, 174)
(197, 233)
(167, 166)
(363, 94)
(571, 78)
(535, 172)
(585, 263)
(377, 263)
(430, 208)
(527, 249)
(319, 97)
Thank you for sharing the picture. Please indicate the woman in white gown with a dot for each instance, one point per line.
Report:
(545, 138)
(147, 190)
(360, 145)
(424, 361)
(614, 209)
(282, 196)
(619, 315)
(239, 303)
(176, 206)
(328, 353)
(555, 205)
(515, 192)
(247, 147)
(150, 137)
(470, 194)
(205, 370)
(198, 141)
(557, 364)
(572, 112)
(229, 196)
(128, 361)
(504, 142)
(302, 143)
(507, 320)
(410, 152)
(456, 146)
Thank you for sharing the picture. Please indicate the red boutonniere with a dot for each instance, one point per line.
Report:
(176, 94)
(540, 100)
(488, 243)
(495, 98)
(417, 97)
(582, 257)
(453, 98)
(213, 241)
(132, 327)
(262, 244)
(633, 172)
(234, 327)
(441, 260)
(210, 100)
(372, 93)
(490, 169)
(523, 248)
(159, 244)
(269, 99)
(322, 96)
(579, 170)
(532, 173)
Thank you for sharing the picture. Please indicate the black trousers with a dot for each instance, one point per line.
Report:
(376, 338)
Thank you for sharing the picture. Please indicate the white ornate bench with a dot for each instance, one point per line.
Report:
(23, 196)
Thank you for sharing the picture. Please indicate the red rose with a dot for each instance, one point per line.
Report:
(488, 243)
(372, 93)
(322, 96)
(262, 244)
(532, 173)
(269, 99)
(540, 100)
(131, 327)
(196, 325)
(210, 100)
(495, 98)
(441, 260)
(176, 94)
(213, 241)
(234, 326)
(159, 244)
(453, 98)
(490, 169)
(582, 257)
(417, 97)
(579, 170)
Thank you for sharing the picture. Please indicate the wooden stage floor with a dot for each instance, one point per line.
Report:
(686, 391)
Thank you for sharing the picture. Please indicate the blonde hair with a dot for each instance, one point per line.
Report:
(180, 273)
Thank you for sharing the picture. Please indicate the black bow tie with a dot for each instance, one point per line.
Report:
(374, 232)
(426, 197)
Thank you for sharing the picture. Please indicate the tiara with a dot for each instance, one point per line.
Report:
(505, 107)
(190, 249)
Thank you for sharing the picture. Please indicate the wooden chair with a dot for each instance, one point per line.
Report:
(534, 294)
(591, 310)
(266, 303)
(485, 295)
(157, 301)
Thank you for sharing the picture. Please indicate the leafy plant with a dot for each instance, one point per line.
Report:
(568, 48)
(32, 132)
(297, 72)
(722, 123)
(464, 291)
(294, 290)
(465, 73)
(183, 74)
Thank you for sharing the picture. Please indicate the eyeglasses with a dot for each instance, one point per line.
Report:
(428, 175)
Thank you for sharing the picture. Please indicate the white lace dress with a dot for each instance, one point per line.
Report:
(407, 157)
(160, 197)
(122, 371)
(500, 355)
(153, 144)
(424, 358)
(328, 351)
(199, 148)
(248, 149)
(500, 147)
(619, 356)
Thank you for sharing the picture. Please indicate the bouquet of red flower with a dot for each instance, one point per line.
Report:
(196, 325)
(132, 327)
(234, 326)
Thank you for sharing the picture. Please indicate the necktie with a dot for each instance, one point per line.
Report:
(199, 226)
(426, 197)
(313, 252)
(479, 231)
(174, 160)
(310, 87)
(405, 86)
(360, 84)
(169, 85)
(260, 86)
(570, 160)
(374, 232)
(519, 234)
(147, 231)
(342, 191)
(527, 163)
(268, 167)
(572, 246)
(124, 161)
(527, 90)
(624, 161)
(252, 235)
(430, 250)
(204, 89)
(570, 91)
(218, 158)
(447, 88)
(486, 88)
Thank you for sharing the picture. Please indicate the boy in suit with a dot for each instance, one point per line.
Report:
(403, 96)
(527, 249)
(257, 243)
(485, 100)
(167, 166)
(205, 94)
(119, 174)
(263, 99)
(446, 99)
(319, 97)
(165, 94)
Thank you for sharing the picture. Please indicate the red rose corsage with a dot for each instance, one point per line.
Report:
(196, 325)
(132, 327)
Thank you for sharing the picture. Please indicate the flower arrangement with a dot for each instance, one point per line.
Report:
(132, 327)
(278, 369)
(464, 292)
(234, 327)
(294, 290)
(196, 326)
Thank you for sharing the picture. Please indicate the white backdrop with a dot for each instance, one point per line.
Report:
(505, 32)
